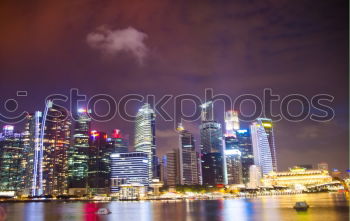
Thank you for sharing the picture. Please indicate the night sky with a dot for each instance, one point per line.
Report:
(176, 47)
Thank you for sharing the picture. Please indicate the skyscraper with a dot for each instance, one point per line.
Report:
(264, 145)
(50, 159)
(118, 143)
(231, 122)
(79, 153)
(188, 157)
(11, 155)
(245, 147)
(31, 142)
(213, 161)
(145, 137)
(171, 168)
(233, 160)
(98, 163)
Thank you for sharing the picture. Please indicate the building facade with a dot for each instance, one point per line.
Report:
(11, 160)
(79, 152)
(188, 157)
(264, 145)
(129, 168)
(233, 161)
(246, 149)
(98, 163)
(145, 137)
(212, 154)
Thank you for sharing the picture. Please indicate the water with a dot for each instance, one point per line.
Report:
(323, 206)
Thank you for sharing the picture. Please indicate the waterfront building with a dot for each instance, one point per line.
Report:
(246, 149)
(233, 161)
(129, 168)
(188, 158)
(98, 163)
(212, 157)
(171, 169)
(52, 168)
(145, 137)
(79, 153)
(296, 177)
(212, 169)
(11, 159)
(31, 143)
(264, 145)
(254, 177)
(133, 191)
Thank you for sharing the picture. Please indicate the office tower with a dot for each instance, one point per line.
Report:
(231, 122)
(264, 145)
(118, 143)
(79, 153)
(50, 158)
(246, 149)
(171, 168)
(233, 160)
(322, 166)
(11, 155)
(145, 137)
(98, 163)
(129, 168)
(188, 157)
(31, 143)
(254, 176)
(213, 163)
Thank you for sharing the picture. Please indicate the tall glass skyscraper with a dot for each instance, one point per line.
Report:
(99, 163)
(79, 152)
(31, 149)
(51, 151)
(145, 137)
(264, 145)
(188, 157)
(11, 155)
(245, 147)
(233, 160)
(212, 154)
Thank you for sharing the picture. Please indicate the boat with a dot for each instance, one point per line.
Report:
(103, 211)
(301, 206)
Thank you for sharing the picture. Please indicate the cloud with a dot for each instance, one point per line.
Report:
(113, 42)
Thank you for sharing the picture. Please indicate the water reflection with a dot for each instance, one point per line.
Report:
(322, 207)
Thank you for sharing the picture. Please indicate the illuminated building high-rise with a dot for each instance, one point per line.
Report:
(171, 169)
(233, 160)
(246, 149)
(188, 158)
(231, 122)
(264, 145)
(98, 163)
(50, 153)
(79, 153)
(212, 156)
(145, 137)
(11, 155)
